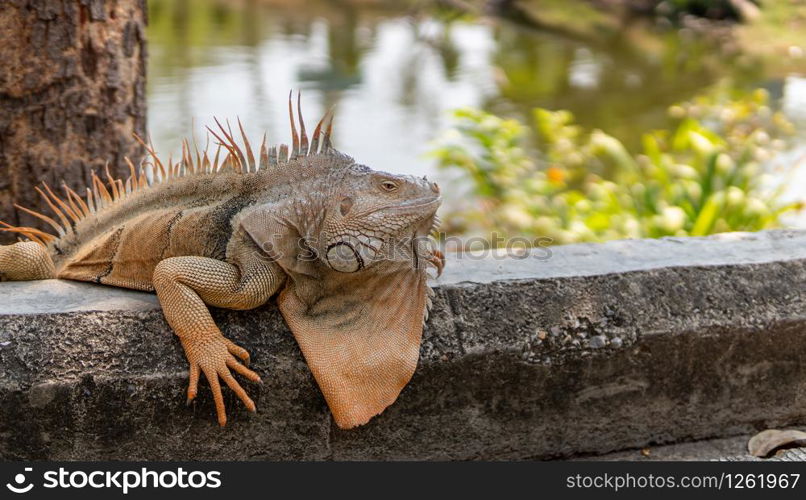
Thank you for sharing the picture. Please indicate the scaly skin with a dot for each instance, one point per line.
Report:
(342, 244)
(25, 261)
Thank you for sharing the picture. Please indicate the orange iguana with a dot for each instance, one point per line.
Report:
(345, 246)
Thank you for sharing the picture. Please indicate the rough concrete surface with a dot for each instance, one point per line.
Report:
(596, 349)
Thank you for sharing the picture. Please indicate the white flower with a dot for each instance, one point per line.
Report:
(672, 219)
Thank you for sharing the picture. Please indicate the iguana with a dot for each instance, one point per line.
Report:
(342, 246)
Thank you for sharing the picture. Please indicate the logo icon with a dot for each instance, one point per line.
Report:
(19, 479)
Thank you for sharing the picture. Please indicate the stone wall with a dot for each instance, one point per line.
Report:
(596, 348)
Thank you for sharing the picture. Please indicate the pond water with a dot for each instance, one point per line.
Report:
(393, 75)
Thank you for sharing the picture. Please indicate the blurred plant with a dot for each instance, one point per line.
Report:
(714, 9)
(703, 177)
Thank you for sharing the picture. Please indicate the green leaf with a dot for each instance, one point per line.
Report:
(707, 217)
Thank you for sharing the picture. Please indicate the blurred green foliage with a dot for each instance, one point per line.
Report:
(558, 180)
(706, 8)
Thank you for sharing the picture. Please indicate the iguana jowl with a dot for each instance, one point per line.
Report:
(341, 243)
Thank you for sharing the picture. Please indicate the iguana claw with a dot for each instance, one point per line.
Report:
(437, 259)
(215, 357)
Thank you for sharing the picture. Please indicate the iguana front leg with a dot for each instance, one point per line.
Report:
(184, 286)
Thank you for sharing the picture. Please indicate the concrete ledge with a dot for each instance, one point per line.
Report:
(597, 349)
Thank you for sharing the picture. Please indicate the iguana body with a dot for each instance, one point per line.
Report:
(332, 237)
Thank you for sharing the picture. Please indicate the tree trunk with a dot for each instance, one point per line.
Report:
(72, 93)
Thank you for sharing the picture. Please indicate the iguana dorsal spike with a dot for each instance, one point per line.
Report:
(199, 167)
(101, 193)
(64, 206)
(193, 157)
(264, 154)
(31, 233)
(204, 160)
(151, 153)
(187, 160)
(282, 156)
(177, 170)
(317, 132)
(228, 142)
(59, 213)
(327, 131)
(40, 234)
(77, 199)
(75, 207)
(206, 165)
(95, 192)
(183, 156)
(223, 143)
(303, 137)
(216, 166)
(35, 239)
(273, 156)
(132, 170)
(199, 162)
(90, 200)
(294, 138)
(112, 184)
(52, 223)
(250, 157)
(170, 170)
(242, 166)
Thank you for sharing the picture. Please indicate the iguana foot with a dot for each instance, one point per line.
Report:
(437, 259)
(214, 355)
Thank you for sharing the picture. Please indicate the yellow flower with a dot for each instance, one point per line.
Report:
(555, 174)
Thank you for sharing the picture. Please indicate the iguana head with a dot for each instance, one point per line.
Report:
(377, 216)
(358, 311)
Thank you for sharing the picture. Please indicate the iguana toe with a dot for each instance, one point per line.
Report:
(437, 259)
(212, 356)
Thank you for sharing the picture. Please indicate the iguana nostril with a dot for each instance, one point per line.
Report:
(435, 187)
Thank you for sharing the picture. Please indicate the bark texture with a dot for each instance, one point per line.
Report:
(72, 92)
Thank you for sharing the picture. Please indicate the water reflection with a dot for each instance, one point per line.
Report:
(392, 91)
(394, 76)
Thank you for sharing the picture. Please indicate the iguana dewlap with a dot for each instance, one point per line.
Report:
(342, 246)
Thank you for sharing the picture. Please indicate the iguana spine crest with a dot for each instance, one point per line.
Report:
(71, 209)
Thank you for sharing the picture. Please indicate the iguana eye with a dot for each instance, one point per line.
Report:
(388, 186)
